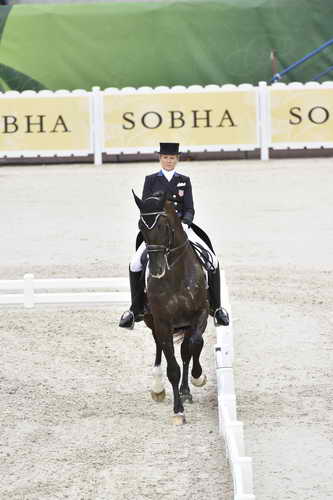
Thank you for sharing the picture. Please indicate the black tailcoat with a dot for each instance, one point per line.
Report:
(179, 190)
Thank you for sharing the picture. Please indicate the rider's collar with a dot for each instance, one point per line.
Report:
(168, 173)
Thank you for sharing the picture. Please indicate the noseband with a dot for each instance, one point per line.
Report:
(167, 250)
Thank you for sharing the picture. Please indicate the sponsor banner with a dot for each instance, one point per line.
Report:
(301, 117)
(45, 125)
(207, 120)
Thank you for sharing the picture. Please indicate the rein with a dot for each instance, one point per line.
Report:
(171, 250)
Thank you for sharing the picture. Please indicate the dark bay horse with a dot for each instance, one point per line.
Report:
(177, 298)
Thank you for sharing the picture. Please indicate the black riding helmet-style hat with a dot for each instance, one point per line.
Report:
(169, 148)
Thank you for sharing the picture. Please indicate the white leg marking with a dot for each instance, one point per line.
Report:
(179, 419)
(199, 382)
(158, 385)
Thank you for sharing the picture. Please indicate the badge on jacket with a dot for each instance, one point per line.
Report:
(180, 184)
(180, 192)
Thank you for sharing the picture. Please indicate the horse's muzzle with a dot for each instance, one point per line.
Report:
(157, 260)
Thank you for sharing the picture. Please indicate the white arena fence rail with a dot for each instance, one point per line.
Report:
(30, 291)
(230, 427)
(131, 121)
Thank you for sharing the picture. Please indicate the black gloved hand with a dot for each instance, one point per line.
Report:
(186, 221)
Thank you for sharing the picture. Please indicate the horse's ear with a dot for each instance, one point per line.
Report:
(137, 200)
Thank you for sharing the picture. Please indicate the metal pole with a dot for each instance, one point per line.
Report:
(278, 76)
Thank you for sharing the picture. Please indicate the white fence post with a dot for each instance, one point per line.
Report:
(28, 292)
(264, 123)
(98, 130)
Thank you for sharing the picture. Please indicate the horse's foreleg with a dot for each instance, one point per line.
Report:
(173, 372)
(157, 390)
(185, 392)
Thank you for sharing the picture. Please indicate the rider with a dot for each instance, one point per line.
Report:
(179, 189)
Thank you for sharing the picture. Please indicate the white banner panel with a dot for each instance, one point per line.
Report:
(46, 123)
(301, 115)
(202, 119)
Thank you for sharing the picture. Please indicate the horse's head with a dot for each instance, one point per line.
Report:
(158, 222)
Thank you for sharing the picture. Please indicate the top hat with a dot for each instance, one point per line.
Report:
(169, 148)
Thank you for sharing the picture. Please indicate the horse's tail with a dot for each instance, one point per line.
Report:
(178, 337)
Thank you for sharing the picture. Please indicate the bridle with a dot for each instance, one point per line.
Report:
(168, 250)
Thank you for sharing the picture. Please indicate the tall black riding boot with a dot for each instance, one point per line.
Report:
(135, 312)
(220, 315)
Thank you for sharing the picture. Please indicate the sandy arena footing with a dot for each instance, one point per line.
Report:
(77, 419)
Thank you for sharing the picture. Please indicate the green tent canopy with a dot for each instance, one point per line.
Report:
(135, 44)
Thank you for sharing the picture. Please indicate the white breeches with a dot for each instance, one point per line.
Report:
(136, 266)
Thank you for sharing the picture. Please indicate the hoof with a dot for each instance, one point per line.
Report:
(158, 396)
(199, 382)
(179, 419)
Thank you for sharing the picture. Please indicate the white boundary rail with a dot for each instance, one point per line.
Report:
(30, 291)
(230, 427)
(28, 294)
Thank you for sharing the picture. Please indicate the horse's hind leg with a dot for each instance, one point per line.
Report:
(198, 377)
(185, 392)
(157, 390)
